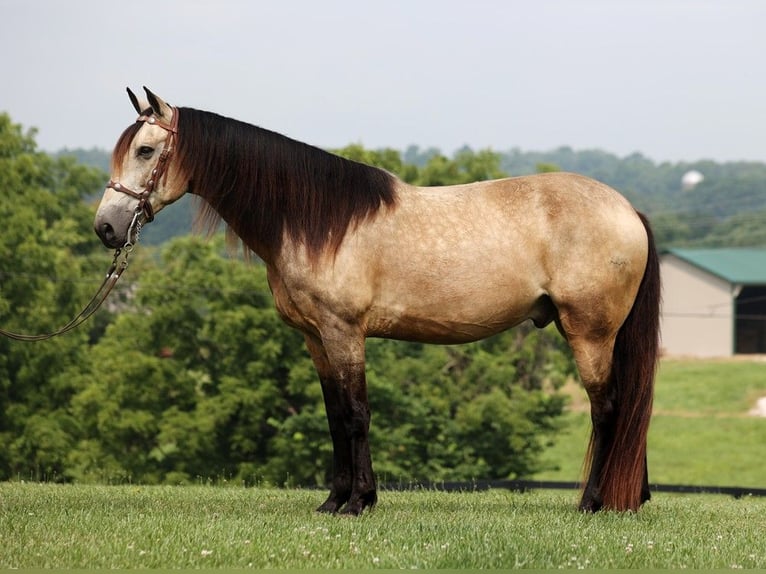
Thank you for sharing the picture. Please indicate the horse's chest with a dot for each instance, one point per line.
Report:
(285, 305)
(292, 304)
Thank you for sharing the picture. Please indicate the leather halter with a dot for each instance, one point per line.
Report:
(159, 171)
(120, 261)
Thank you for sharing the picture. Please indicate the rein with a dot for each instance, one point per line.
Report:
(120, 260)
(119, 264)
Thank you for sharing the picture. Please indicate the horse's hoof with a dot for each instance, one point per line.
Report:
(328, 508)
(331, 505)
(352, 508)
(357, 504)
(590, 505)
(646, 496)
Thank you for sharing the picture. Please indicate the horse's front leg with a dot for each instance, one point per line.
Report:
(355, 414)
(344, 389)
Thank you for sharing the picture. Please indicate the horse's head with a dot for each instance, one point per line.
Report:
(144, 177)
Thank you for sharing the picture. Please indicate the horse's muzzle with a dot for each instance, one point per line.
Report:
(106, 233)
(112, 225)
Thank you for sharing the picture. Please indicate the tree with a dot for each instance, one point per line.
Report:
(437, 169)
(196, 377)
(196, 370)
(201, 378)
(388, 159)
(482, 165)
(679, 218)
(481, 410)
(46, 251)
(466, 167)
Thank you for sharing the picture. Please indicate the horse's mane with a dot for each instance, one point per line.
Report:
(266, 185)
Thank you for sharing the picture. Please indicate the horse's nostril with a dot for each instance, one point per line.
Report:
(107, 231)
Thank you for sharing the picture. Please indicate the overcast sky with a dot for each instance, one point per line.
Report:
(671, 79)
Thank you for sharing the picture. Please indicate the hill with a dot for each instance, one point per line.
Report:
(726, 208)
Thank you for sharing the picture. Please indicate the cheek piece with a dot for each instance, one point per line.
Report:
(160, 169)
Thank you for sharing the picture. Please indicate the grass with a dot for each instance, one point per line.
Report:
(701, 432)
(107, 527)
(713, 388)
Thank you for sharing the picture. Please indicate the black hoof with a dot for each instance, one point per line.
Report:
(357, 504)
(646, 496)
(590, 504)
(333, 503)
(328, 507)
(352, 509)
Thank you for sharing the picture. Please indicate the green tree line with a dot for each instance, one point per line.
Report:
(188, 374)
(726, 209)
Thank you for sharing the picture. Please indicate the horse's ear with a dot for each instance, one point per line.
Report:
(134, 101)
(159, 107)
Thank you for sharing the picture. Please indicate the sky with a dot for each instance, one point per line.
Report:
(674, 80)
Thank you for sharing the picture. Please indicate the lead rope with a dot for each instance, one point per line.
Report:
(119, 264)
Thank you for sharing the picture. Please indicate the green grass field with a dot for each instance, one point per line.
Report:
(701, 434)
(106, 527)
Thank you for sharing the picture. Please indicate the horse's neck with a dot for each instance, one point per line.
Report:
(237, 230)
(273, 190)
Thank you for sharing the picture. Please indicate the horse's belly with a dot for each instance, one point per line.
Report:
(445, 324)
(444, 333)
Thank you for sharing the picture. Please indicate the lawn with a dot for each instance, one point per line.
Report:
(106, 527)
(701, 432)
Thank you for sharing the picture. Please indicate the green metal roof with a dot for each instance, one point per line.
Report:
(743, 266)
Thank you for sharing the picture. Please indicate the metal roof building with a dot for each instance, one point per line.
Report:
(714, 301)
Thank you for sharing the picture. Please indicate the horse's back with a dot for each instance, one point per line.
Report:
(530, 227)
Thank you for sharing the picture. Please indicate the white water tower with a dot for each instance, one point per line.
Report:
(691, 179)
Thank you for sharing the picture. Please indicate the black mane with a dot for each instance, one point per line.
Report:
(266, 185)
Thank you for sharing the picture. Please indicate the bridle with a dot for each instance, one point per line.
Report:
(120, 261)
(159, 172)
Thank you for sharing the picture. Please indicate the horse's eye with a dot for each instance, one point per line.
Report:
(145, 151)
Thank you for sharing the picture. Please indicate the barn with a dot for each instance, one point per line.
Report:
(714, 301)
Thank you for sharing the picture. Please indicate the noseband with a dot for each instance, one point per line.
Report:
(160, 170)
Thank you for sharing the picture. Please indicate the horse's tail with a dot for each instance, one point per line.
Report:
(624, 482)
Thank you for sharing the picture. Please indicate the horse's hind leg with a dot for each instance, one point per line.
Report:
(345, 395)
(603, 419)
(593, 356)
(611, 481)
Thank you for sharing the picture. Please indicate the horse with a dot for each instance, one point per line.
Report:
(352, 252)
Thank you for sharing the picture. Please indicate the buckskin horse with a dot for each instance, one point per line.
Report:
(352, 252)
